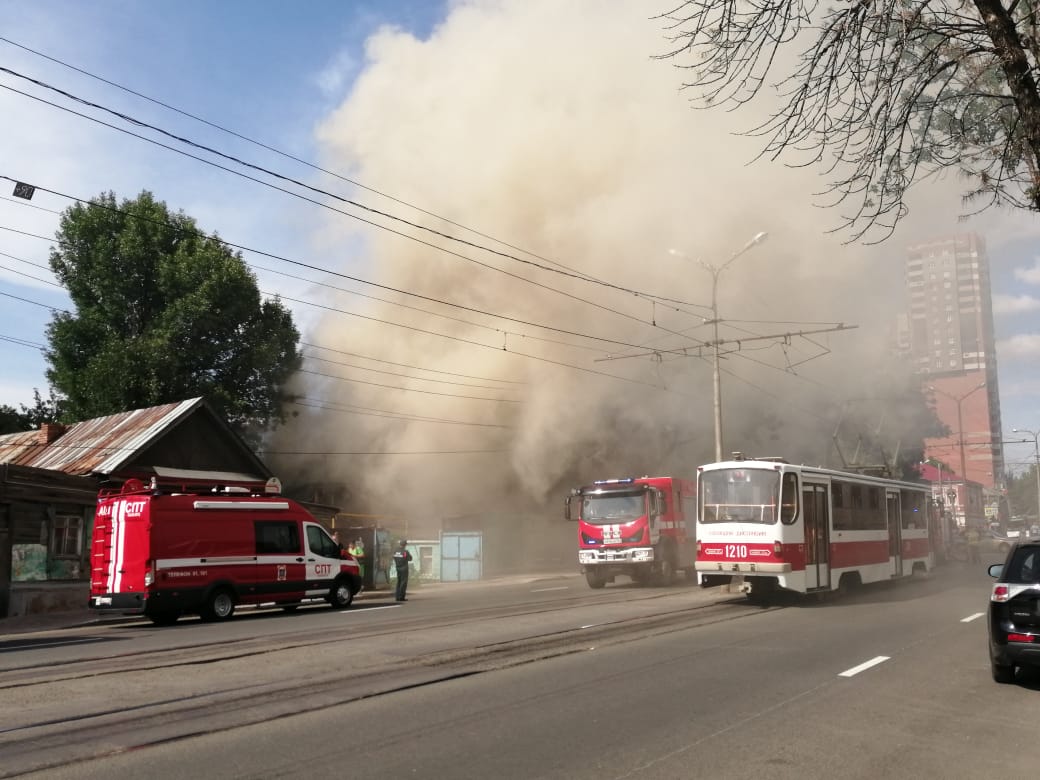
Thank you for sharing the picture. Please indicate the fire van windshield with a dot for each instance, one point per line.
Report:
(612, 509)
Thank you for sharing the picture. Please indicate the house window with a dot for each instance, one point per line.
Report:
(65, 536)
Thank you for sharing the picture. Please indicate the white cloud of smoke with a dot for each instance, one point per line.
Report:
(550, 126)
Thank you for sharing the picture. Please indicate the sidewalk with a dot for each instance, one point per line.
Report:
(76, 618)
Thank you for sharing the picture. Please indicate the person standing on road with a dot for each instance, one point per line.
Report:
(357, 549)
(974, 542)
(402, 562)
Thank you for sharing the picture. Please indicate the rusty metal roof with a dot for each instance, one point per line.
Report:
(98, 446)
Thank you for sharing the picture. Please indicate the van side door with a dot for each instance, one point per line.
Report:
(280, 565)
(323, 559)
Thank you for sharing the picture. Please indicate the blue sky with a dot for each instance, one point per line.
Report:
(285, 74)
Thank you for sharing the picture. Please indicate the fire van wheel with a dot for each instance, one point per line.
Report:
(166, 618)
(341, 595)
(219, 606)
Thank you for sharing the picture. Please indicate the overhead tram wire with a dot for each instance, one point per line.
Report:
(427, 332)
(315, 282)
(336, 406)
(678, 351)
(318, 269)
(406, 376)
(308, 164)
(410, 389)
(406, 365)
(529, 356)
(317, 190)
(23, 342)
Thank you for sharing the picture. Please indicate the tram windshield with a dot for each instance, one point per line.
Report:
(739, 496)
(613, 508)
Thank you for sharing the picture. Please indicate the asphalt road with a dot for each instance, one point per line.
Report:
(532, 679)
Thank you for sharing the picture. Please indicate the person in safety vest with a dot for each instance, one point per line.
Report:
(357, 549)
(402, 562)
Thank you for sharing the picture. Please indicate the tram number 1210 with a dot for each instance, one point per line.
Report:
(736, 551)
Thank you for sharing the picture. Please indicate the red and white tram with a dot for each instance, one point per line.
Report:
(766, 524)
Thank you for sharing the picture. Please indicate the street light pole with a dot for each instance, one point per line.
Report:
(716, 370)
(960, 421)
(1036, 454)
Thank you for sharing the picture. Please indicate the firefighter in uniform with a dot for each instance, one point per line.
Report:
(402, 562)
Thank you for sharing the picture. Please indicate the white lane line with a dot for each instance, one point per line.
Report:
(864, 666)
(970, 618)
(546, 590)
(363, 610)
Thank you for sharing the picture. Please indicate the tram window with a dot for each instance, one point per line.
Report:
(841, 514)
(913, 514)
(789, 499)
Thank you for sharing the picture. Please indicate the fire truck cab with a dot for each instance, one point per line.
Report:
(207, 542)
(641, 527)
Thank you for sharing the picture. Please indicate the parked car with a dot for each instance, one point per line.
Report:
(995, 543)
(1014, 611)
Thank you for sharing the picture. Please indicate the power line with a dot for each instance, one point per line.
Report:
(262, 145)
(406, 365)
(319, 191)
(245, 248)
(318, 403)
(402, 376)
(409, 389)
(503, 348)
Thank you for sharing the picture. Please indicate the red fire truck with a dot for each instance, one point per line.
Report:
(206, 543)
(642, 527)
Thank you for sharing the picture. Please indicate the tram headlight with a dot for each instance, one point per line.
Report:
(778, 549)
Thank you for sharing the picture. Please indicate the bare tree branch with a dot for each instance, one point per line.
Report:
(883, 93)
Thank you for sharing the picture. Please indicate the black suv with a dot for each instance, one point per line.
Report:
(1014, 611)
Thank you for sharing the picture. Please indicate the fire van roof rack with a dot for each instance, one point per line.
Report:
(167, 481)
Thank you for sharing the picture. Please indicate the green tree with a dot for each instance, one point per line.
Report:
(31, 417)
(163, 312)
(882, 93)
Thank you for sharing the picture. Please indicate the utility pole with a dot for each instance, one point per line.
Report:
(960, 421)
(1036, 455)
(715, 271)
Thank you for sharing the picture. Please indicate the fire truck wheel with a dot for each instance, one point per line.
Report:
(219, 606)
(666, 571)
(166, 618)
(341, 595)
(595, 579)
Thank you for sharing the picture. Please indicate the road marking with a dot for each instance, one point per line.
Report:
(970, 618)
(864, 666)
(544, 590)
(362, 610)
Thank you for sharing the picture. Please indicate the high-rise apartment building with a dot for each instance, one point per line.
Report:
(949, 337)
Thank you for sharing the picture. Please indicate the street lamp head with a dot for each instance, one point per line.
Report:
(760, 237)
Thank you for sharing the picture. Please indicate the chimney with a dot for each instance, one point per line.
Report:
(49, 432)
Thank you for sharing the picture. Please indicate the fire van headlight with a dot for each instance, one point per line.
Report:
(645, 554)
(586, 556)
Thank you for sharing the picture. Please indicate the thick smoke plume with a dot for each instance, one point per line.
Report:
(551, 127)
